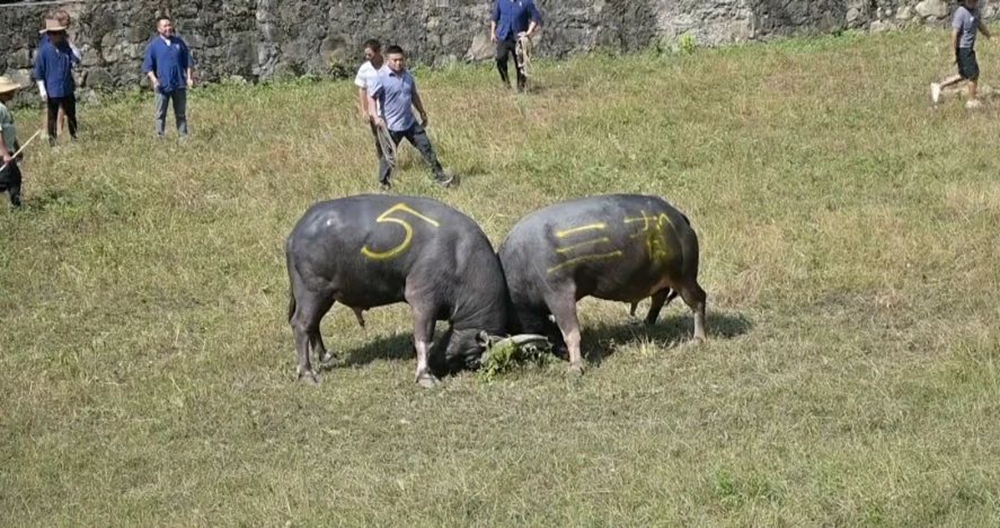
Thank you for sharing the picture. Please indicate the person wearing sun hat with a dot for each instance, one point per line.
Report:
(10, 176)
(54, 74)
(63, 17)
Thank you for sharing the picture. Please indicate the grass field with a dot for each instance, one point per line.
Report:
(849, 238)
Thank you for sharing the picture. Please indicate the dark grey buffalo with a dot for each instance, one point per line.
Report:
(373, 250)
(621, 247)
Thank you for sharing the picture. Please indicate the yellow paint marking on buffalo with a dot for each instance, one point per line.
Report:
(407, 238)
(567, 249)
(586, 258)
(572, 231)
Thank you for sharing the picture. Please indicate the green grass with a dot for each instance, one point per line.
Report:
(849, 249)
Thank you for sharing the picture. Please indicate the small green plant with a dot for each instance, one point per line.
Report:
(687, 44)
(506, 355)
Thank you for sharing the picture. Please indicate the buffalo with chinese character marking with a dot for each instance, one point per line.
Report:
(614, 247)
(373, 250)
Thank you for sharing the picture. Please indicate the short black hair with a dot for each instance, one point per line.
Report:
(161, 18)
(394, 50)
(373, 44)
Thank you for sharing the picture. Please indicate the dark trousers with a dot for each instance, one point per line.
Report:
(10, 181)
(68, 105)
(378, 146)
(506, 48)
(417, 137)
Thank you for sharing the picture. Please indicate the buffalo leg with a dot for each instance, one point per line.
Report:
(564, 310)
(695, 298)
(660, 299)
(310, 307)
(423, 332)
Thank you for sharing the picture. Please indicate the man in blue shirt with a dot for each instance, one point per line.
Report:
(392, 94)
(168, 66)
(512, 19)
(54, 74)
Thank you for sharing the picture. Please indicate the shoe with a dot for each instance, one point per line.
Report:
(446, 180)
(972, 104)
(385, 187)
(935, 92)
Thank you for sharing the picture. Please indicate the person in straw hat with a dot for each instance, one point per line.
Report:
(10, 175)
(64, 19)
(54, 74)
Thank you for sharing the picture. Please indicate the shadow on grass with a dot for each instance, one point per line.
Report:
(393, 347)
(598, 342)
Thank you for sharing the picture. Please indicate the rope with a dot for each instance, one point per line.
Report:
(388, 147)
(20, 150)
(523, 52)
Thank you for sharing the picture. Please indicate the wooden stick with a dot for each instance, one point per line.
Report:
(20, 150)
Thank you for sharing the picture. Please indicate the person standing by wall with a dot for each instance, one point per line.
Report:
(512, 19)
(54, 75)
(62, 17)
(367, 74)
(168, 66)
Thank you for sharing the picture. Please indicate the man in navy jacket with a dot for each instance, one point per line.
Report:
(54, 73)
(168, 66)
(511, 20)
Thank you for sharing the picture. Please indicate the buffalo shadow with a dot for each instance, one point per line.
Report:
(597, 341)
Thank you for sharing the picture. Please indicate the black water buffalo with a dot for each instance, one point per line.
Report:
(619, 247)
(373, 250)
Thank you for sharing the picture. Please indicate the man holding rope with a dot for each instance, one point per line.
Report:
(10, 174)
(392, 95)
(512, 21)
(367, 74)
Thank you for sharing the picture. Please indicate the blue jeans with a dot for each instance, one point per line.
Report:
(179, 97)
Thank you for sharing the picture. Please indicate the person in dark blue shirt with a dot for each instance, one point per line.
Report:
(64, 19)
(54, 73)
(512, 19)
(168, 66)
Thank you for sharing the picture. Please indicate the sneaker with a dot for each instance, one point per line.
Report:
(935, 92)
(385, 187)
(973, 103)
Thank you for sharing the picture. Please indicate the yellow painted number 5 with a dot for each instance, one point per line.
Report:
(407, 239)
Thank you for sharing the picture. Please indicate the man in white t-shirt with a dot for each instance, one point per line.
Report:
(366, 74)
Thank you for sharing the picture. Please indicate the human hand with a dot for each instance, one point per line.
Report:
(423, 119)
(7, 158)
(379, 122)
(190, 82)
(493, 37)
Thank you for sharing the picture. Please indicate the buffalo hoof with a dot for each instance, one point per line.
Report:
(428, 380)
(575, 370)
(308, 378)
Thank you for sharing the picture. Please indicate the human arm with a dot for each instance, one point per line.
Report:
(186, 65)
(493, 21)
(39, 73)
(984, 30)
(536, 19)
(419, 105)
(5, 151)
(363, 104)
(954, 42)
(149, 67)
(373, 93)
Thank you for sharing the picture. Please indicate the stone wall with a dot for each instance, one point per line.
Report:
(261, 39)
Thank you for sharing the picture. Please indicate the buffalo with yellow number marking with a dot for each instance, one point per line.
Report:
(373, 250)
(621, 247)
